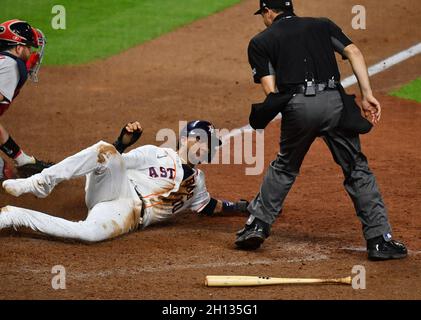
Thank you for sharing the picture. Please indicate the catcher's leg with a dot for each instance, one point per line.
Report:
(99, 159)
(105, 221)
(7, 171)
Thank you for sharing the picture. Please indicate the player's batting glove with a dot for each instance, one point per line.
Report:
(30, 169)
(127, 139)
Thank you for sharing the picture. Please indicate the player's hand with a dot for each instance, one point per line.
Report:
(372, 109)
(132, 127)
(128, 136)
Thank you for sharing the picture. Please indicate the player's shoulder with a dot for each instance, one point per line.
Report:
(7, 62)
(325, 21)
(8, 68)
(147, 147)
(153, 151)
(148, 150)
(260, 37)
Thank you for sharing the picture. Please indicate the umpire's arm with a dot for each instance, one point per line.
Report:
(262, 68)
(371, 107)
(268, 84)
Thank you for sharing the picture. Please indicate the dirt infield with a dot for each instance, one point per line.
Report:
(201, 71)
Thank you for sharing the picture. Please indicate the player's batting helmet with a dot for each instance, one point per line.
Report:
(198, 127)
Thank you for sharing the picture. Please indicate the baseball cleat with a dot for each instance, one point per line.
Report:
(252, 235)
(17, 187)
(250, 241)
(381, 249)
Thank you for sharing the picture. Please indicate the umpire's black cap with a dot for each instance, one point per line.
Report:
(275, 4)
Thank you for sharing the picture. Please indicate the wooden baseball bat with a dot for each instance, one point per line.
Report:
(246, 281)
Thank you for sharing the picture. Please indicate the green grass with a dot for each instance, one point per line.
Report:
(412, 91)
(100, 28)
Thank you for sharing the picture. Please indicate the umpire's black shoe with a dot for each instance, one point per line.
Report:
(253, 234)
(385, 249)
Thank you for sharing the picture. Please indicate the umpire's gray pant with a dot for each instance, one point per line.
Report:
(304, 119)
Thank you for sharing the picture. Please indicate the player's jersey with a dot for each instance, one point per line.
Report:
(9, 79)
(156, 174)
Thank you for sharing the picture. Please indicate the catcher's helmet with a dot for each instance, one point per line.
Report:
(198, 127)
(17, 32)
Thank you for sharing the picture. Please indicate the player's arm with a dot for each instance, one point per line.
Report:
(268, 84)
(4, 135)
(371, 107)
(220, 207)
(263, 71)
(128, 136)
(343, 45)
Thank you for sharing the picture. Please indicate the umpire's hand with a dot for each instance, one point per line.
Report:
(372, 109)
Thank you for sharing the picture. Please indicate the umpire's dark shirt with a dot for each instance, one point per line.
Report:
(295, 48)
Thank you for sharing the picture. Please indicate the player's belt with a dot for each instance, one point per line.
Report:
(319, 87)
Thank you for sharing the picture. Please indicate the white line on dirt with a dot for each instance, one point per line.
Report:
(386, 64)
(175, 267)
(375, 69)
(362, 249)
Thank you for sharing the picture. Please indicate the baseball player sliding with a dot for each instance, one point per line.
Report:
(125, 191)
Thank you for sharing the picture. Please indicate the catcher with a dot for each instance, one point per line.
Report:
(125, 191)
(17, 63)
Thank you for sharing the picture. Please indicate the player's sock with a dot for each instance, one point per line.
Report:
(22, 159)
(13, 151)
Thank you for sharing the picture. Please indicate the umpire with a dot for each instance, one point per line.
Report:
(296, 56)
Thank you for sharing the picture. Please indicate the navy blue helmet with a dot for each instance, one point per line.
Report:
(198, 127)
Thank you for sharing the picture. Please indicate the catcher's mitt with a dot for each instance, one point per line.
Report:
(30, 169)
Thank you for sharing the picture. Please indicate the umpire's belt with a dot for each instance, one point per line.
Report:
(323, 86)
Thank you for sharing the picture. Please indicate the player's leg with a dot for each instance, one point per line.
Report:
(298, 131)
(105, 221)
(84, 162)
(6, 170)
(108, 181)
(361, 186)
(297, 135)
(360, 183)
